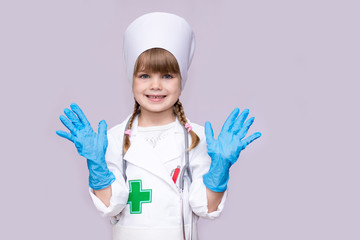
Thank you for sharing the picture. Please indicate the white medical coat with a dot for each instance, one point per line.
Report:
(160, 216)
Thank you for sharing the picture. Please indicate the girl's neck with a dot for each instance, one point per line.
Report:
(149, 119)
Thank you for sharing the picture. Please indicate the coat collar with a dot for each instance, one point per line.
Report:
(134, 130)
(144, 156)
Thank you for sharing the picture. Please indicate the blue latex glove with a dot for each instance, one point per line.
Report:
(89, 144)
(225, 151)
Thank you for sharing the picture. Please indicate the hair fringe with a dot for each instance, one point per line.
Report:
(157, 60)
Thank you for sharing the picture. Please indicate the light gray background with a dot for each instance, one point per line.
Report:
(294, 64)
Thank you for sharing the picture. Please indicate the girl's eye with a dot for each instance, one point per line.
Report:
(144, 76)
(167, 76)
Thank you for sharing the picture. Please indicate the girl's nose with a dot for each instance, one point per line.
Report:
(156, 83)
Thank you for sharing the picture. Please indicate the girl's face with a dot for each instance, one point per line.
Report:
(156, 92)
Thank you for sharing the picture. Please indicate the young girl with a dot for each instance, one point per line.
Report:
(156, 173)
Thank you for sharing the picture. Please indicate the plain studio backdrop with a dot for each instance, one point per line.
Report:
(294, 64)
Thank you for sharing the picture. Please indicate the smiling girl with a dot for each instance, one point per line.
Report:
(156, 173)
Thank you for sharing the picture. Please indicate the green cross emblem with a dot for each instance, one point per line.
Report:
(138, 196)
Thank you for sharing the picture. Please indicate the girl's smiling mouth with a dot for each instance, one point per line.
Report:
(155, 98)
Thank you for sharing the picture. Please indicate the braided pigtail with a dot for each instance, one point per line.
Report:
(126, 143)
(179, 111)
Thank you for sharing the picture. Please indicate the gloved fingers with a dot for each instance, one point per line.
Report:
(245, 128)
(73, 118)
(209, 133)
(102, 129)
(68, 124)
(230, 120)
(249, 139)
(240, 121)
(66, 135)
(79, 113)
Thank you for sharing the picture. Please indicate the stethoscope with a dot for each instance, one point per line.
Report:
(185, 172)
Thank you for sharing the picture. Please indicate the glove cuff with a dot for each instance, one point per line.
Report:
(100, 176)
(101, 182)
(216, 183)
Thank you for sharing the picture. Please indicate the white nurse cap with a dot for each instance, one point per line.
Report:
(159, 30)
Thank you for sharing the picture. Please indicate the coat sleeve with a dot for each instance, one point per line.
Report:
(120, 191)
(200, 164)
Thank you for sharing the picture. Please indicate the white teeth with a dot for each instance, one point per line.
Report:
(155, 97)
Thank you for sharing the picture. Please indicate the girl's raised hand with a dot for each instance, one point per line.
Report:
(89, 144)
(225, 151)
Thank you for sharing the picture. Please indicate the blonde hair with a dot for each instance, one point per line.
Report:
(157, 60)
(162, 61)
